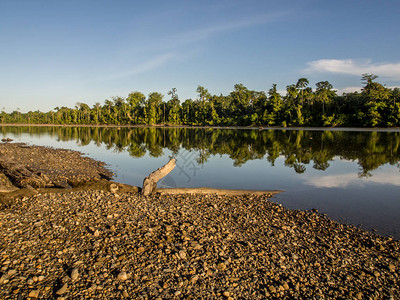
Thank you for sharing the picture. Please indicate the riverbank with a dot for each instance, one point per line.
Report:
(395, 129)
(96, 244)
(102, 244)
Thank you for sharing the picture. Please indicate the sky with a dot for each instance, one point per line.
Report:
(58, 53)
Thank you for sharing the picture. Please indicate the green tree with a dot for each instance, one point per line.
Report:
(153, 108)
(203, 98)
(173, 107)
(135, 101)
(273, 107)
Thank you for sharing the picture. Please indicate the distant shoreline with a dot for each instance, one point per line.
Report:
(392, 129)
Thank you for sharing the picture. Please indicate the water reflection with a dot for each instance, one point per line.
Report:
(346, 180)
(301, 149)
(351, 176)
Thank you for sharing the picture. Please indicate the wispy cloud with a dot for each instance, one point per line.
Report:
(344, 180)
(154, 63)
(196, 35)
(354, 67)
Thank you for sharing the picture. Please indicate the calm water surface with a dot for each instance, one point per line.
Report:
(352, 176)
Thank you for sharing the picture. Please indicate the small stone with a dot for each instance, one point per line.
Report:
(96, 233)
(41, 277)
(63, 289)
(11, 272)
(182, 254)
(226, 294)
(125, 294)
(297, 287)
(194, 279)
(286, 286)
(74, 274)
(221, 266)
(272, 289)
(122, 276)
(3, 278)
(377, 274)
(33, 294)
(112, 228)
(113, 188)
(392, 268)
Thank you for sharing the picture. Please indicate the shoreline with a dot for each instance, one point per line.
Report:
(96, 244)
(395, 129)
(113, 243)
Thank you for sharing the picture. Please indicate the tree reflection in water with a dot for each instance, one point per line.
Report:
(300, 148)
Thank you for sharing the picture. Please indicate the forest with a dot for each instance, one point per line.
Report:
(375, 106)
(301, 149)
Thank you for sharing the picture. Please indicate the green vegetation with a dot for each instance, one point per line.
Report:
(299, 149)
(375, 106)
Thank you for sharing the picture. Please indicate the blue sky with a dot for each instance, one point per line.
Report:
(57, 53)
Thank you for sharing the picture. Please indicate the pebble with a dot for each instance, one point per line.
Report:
(74, 274)
(221, 266)
(33, 294)
(122, 276)
(113, 188)
(182, 254)
(392, 268)
(62, 290)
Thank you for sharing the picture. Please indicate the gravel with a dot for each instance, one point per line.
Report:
(60, 166)
(112, 243)
(97, 244)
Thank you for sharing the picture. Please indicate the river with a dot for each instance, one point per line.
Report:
(353, 176)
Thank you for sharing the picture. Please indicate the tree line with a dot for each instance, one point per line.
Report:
(375, 106)
(299, 149)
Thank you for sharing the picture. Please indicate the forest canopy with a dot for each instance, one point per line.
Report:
(375, 106)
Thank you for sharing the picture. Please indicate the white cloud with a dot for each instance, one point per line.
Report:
(354, 67)
(349, 89)
(344, 180)
(352, 89)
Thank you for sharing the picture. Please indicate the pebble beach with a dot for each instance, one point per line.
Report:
(97, 244)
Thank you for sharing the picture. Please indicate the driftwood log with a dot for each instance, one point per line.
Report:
(150, 182)
(22, 177)
(26, 179)
(150, 185)
(205, 190)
